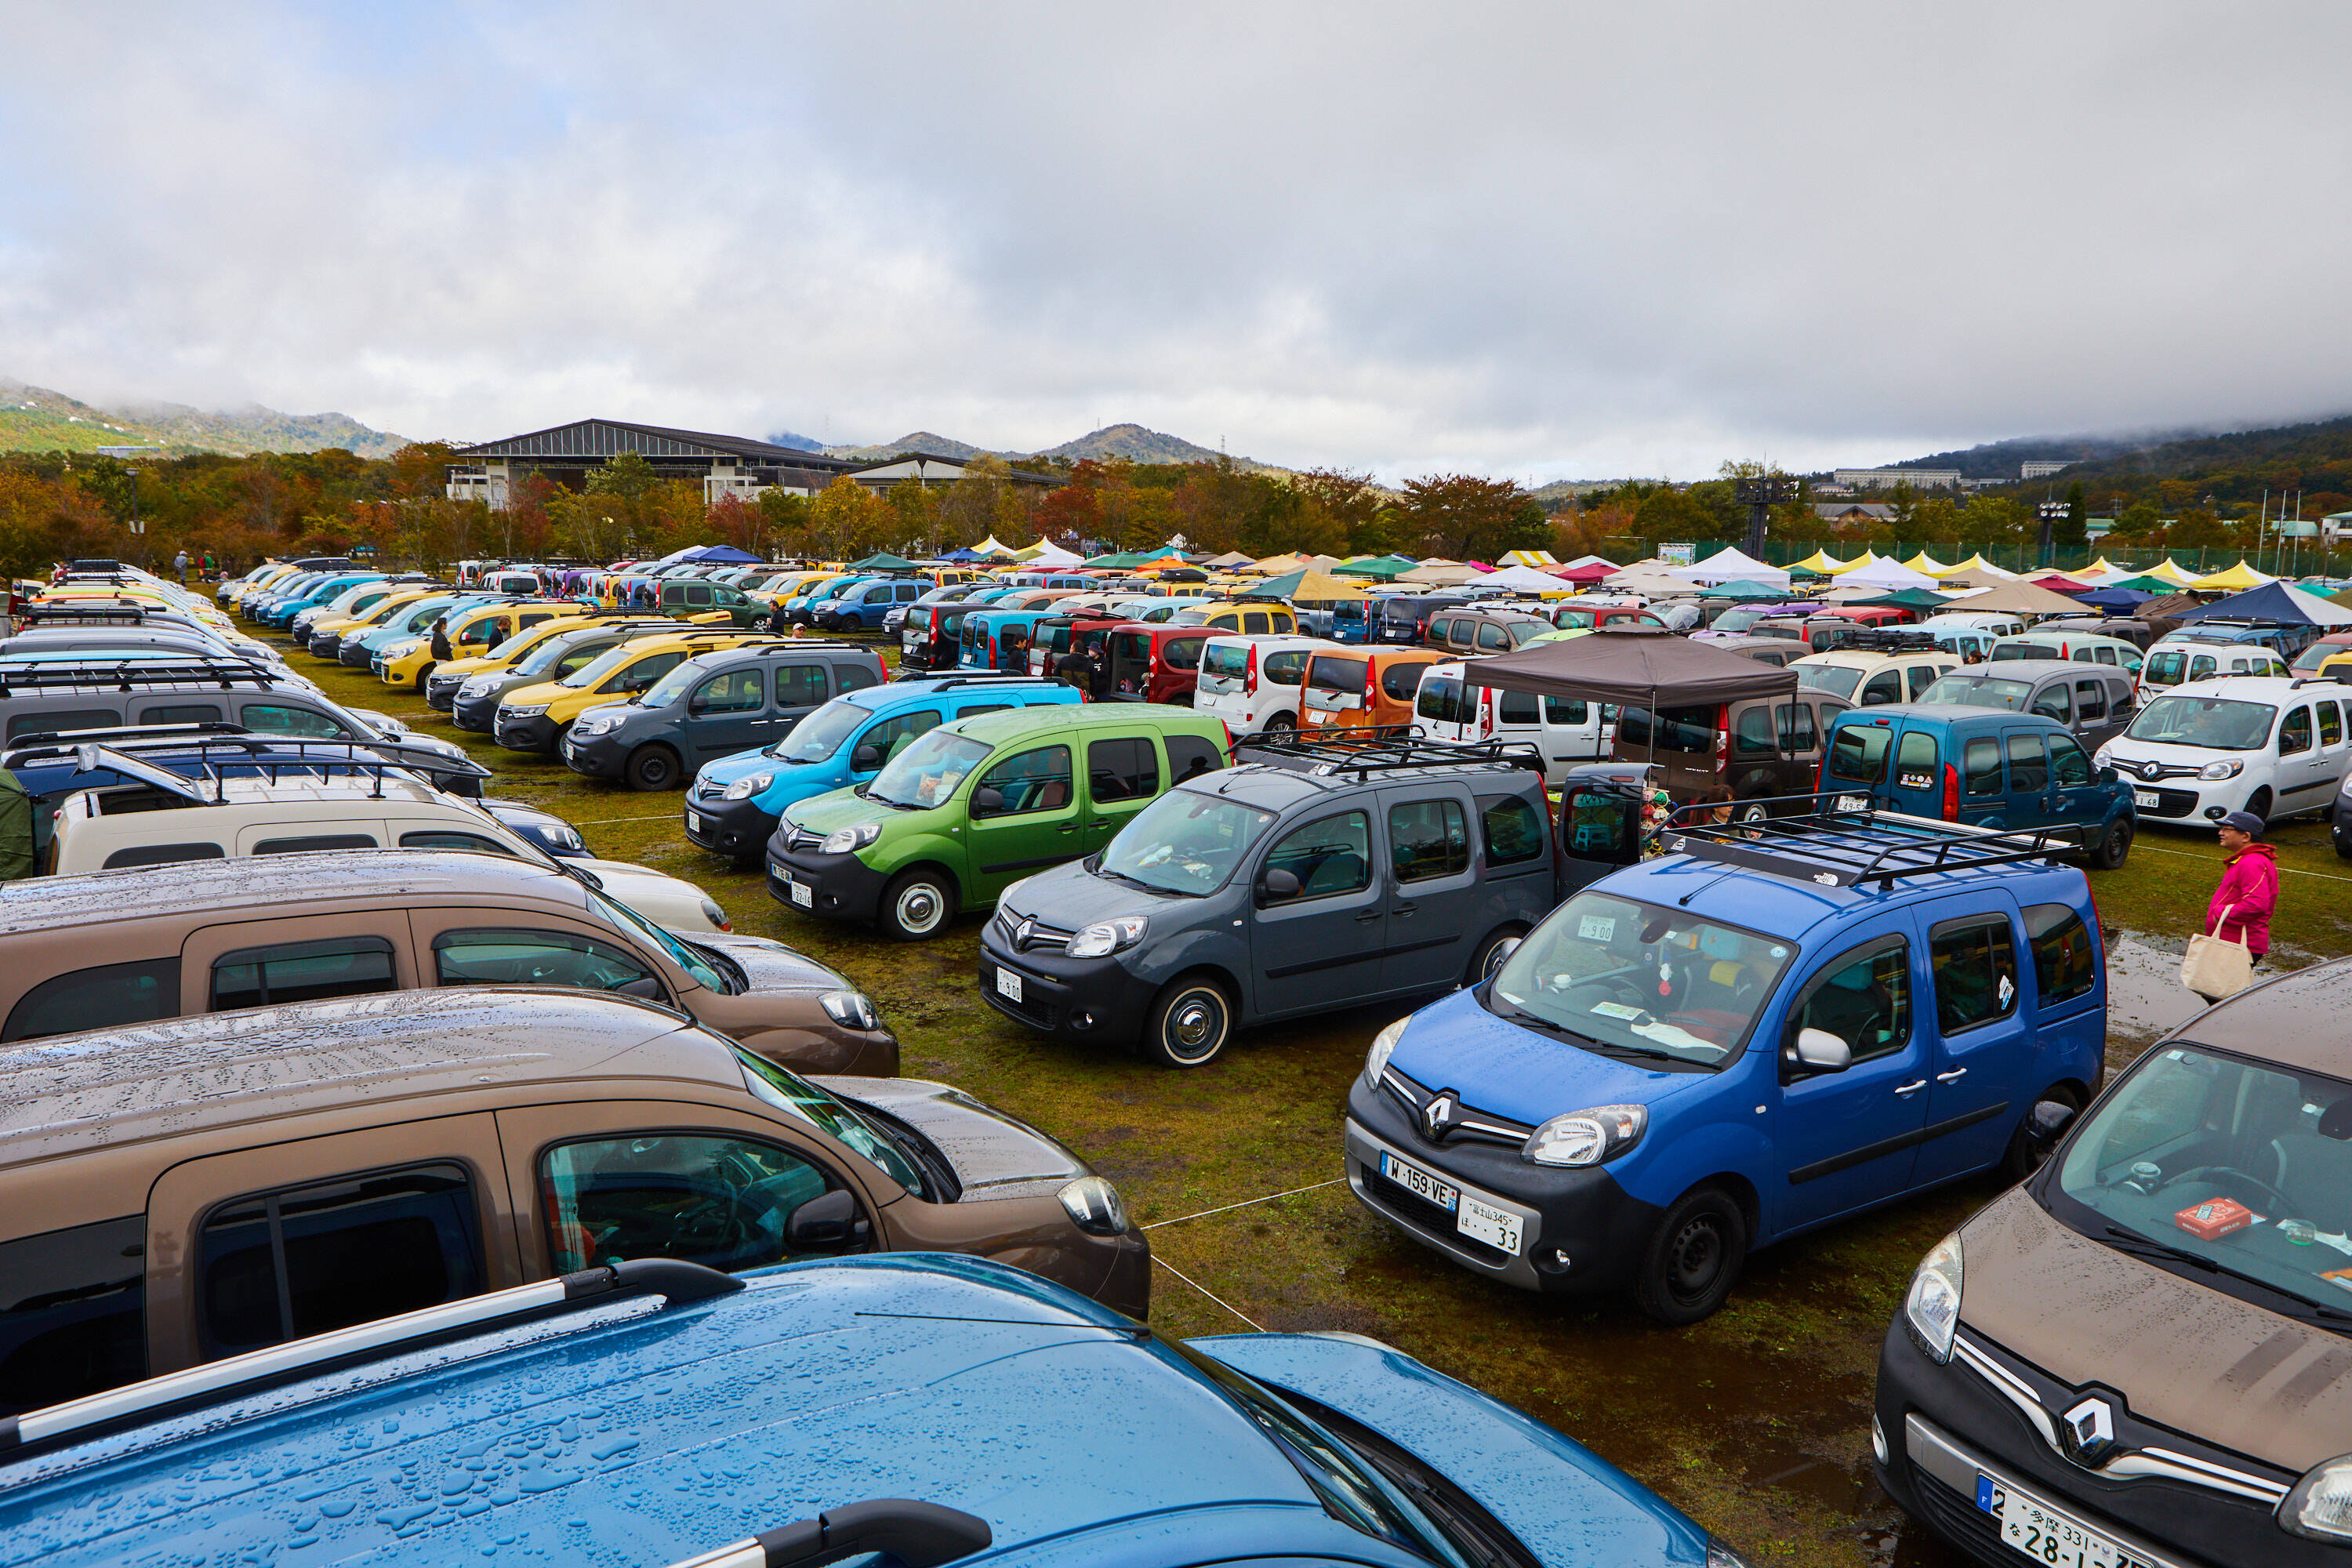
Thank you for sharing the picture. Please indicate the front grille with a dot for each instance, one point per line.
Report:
(709, 789)
(1424, 1216)
(802, 839)
(2172, 803)
(1467, 1122)
(1959, 1518)
(1031, 935)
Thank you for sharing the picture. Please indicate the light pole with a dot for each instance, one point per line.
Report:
(1759, 496)
(2051, 512)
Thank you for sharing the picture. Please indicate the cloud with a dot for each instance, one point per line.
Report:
(1535, 240)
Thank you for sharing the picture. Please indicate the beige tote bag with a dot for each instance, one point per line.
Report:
(2215, 968)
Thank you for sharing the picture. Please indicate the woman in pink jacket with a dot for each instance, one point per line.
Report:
(2249, 890)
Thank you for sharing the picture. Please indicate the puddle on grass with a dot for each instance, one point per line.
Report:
(2145, 996)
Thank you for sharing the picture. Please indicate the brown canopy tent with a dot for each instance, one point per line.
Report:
(1627, 663)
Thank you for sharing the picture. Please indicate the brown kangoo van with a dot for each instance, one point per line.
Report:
(114, 948)
(177, 1192)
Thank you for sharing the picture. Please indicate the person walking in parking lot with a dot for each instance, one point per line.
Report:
(2241, 906)
(179, 564)
(441, 639)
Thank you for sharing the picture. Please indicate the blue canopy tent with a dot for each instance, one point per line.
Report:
(2125, 599)
(2270, 602)
(725, 554)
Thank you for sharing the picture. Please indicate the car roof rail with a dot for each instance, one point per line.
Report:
(1842, 839)
(680, 1282)
(1887, 639)
(87, 612)
(281, 752)
(124, 676)
(132, 735)
(918, 1534)
(979, 677)
(1385, 748)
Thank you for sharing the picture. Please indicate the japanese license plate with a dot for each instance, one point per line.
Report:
(1419, 1183)
(697, 822)
(802, 894)
(2044, 1534)
(1008, 985)
(2144, 798)
(1852, 803)
(1485, 1222)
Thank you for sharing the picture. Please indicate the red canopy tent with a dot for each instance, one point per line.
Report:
(1592, 572)
(2058, 583)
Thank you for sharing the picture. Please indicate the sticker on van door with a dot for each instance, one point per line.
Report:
(1915, 781)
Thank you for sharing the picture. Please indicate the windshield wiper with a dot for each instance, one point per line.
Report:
(2127, 1240)
(1518, 1015)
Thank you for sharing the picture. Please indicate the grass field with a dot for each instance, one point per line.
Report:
(1756, 1421)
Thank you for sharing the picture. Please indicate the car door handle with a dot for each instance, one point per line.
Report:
(1404, 909)
(1367, 917)
(1067, 827)
(1952, 1077)
(1910, 1089)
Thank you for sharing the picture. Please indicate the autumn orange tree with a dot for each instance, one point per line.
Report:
(1467, 518)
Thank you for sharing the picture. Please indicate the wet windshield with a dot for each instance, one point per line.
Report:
(1629, 979)
(926, 773)
(1972, 691)
(593, 672)
(819, 735)
(673, 686)
(1835, 679)
(681, 954)
(797, 1096)
(2213, 723)
(2238, 1168)
(1184, 843)
(543, 658)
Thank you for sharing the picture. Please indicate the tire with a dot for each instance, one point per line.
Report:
(652, 768)
(2020, 1159)
(2112, 849)
(1280, 724)
(1694, 1258)
(1488, 959)
(1749, 811)
(1189, 1023)
(2259, 802)
(918, 905)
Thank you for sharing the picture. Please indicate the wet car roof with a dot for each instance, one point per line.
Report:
(64, 1093)
(2295, 1020)
(281, 883)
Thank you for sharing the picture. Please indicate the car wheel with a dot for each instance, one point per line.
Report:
(1490, 955)
(2341, 832)
(1190, 1025)
(2259, 802)
(916, 905)
(2113, 848)
(652, 768)
(1749, 811)
(1280, 724)
(1694, 1258)
(2022, 1158)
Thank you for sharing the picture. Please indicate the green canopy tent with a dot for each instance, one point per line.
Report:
(1385, 568)
(882, 561)
(2163, 585)
(1746, 588)
(1121, 561)
(1903, 599)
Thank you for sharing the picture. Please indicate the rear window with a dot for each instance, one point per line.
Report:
(1513, 829)
(105, 997)
(1226, 660)
(1399, 681)
(1443, 699)
(2065, 956)
(1337, 674)
(1836, 680)
(1679, 729)
(1858, 753)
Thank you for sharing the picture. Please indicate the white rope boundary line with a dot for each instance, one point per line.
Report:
(1245, 1203)
(2288, 870)
(609, 821)
(1204, 1291)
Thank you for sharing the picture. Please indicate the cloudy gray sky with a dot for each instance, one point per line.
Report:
(1543, 240)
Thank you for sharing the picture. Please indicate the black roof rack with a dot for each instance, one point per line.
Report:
(1384, 748)
(1840, 839)
(91, 612)
(223, 673)
(1881, 639)
(121, 736)
(275, 751)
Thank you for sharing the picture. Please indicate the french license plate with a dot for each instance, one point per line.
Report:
(910, 639)
(2144, 798)
(1008, 985)
(2043, 1534)
(1419, 1183)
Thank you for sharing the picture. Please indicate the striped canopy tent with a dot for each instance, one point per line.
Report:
(1867, 558)
(1541, 560)
(2236, 580)
(2103, 574)
(993, 546)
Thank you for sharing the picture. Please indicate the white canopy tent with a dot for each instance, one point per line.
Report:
(1526, 580)
(1732, 565)
(1045, 553)
(1886, 574)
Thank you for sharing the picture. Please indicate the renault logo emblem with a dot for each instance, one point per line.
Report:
(2151, 771)
(1437, 1116)
(1021, 937)
(2087, 1431)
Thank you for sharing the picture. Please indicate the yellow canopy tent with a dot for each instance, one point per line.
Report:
(1979, 570)
(2237, 578)
(1826, 564)
(1867, 558)
(1541, 560)
(2170, 570)
(1928, 564)
(991, 545)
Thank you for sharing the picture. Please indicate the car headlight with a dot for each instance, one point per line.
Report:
(532, 712)
(1587, 1137)
(475, 686)
(562, 837)
(848, 840)
(1932, 1307)
(1384, 1045)
(850, 1009)
(715, 915)
(2320, 1506)
(1719, 1555)
(594, 724)
(2222, 770)
(1104, 937)
(744, 789)
(1093, 1206)
(2103, 757)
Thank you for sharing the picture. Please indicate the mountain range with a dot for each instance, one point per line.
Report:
(1112, 443)
(34, 418)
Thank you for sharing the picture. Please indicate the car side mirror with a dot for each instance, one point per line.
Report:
(2109, 775)
(866, 759)
(987, 800)
(1278, 886)
(648, 987)
(2048, 1122)
(827, 1220)
(698, 703)
(1823, 1051)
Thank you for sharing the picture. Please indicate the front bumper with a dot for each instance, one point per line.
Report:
(838, 887)
(1580, 1214)
(1953, 1438)
(1070, 998)
(479, 714)
(354, 654)
(402, 675)
(599, 756)
(440, 694)
(535, 734)
(728, 826)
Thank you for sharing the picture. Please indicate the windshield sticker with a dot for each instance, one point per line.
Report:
(1597, 928)
(1617, 1010)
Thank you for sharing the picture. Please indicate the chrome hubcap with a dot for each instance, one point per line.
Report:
(918, 907)
(1193, 1024)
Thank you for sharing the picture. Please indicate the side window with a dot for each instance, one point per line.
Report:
(909, 592)
(1923, 676)
(182, 713)
(2050, 702)
(2090, 700)
(106, 998)
(452, 838)
(1491, 638)
(724, 1202)
(1037, 780)
(1516, 707)
(1862, 998)
(304, 1260)
(1976, 972)
(645, 671)
(894, 735)
(61, 721)
(277, 719)
(1884, 687)
(2200, 666)
(1798, 735)
(698, 594)
(1858, 753)
(301, 971)
(2104, 655)
(2331, 724)
(1570, 711)
(162, 855)
(854, 677)
(72, 1313)
(2294, 732)
(1982, 767)
(1255, 621)
(311, 843)
(2065, 959)
(2069, 764)
(2083, 656)
(1331, 856)
(1428, 838)
(731, 691)
(1751, 732)
(578, 659)
(2029, 764)
(1122, 769)
(1184, 653)
(1189, 756)
(1284, 668)
(1914, 760)
(510, 957)
(1513, 829)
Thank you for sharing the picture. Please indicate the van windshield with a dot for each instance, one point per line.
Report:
(1974, 692)
(1184, 843)
(593, 672)
(2189, 1130)
(926, 773)
(2211, 723)
(1629, 979)
(1838, 680)
(819, 735)
(795, 1096)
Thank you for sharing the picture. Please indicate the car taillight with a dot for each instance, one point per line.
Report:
(1485, 710)
(1951, 793)
(1822, 768)
(1722, 737)
(1249, 676)
(1371, 684)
